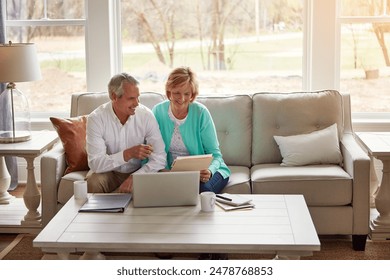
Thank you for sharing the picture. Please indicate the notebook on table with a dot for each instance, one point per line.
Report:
(233, 199)
(166, 189)
(107, 202)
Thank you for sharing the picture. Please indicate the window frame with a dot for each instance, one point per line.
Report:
(321, 52)
(367, 121)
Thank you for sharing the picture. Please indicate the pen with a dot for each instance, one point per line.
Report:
(225, 198)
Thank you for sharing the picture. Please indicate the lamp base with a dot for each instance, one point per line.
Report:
(7, 137)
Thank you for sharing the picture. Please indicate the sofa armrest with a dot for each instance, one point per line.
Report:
(53, 165)
(357, 165)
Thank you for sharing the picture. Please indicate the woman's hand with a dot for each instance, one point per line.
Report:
(205, 175)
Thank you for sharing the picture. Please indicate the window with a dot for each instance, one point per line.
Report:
(235, 46)
(58, 30)
(267, 45)
(364, 54)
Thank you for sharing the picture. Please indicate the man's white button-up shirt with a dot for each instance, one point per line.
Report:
(107, 138)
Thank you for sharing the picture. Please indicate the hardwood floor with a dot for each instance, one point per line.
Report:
(18, 192)
(6, 239)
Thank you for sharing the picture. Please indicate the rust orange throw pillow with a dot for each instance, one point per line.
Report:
(72, 132)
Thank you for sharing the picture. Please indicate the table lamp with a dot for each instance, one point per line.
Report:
(18, 63)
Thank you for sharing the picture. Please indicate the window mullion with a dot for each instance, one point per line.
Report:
(365, 19)
(44, 22)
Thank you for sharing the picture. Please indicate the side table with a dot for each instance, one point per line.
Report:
(377, 145)
(29, 150)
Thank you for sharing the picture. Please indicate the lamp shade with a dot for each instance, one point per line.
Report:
(18, 63)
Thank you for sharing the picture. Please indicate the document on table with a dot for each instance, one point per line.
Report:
(232, 199)
(109, 202)
(230, 202)
(228, 207)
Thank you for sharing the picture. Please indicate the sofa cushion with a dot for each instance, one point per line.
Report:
(232, 116)
(288, 114)
(72, 132)
(318, 147)
(321, 185)
(239, 180)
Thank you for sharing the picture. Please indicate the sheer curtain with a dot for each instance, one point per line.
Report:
(4, 113)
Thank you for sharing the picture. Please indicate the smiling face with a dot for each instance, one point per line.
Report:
(125, 105)
(180, 97)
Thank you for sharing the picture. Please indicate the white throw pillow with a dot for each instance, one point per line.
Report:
(318, 147)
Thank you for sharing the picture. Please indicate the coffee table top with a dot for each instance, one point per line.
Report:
(279, 224)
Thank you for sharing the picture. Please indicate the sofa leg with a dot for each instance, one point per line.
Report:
(359, 242)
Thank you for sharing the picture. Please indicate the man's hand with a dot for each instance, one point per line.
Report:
(141, 151)
(127, 185)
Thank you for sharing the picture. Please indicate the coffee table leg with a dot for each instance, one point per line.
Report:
(287, 257)
(31, 196)
(63, 256)
(380, 227)
(92, 255)
(374, 182)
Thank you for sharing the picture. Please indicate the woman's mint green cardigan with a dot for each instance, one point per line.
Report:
(198, 132)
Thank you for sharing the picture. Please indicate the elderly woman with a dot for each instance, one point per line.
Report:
(188, 129)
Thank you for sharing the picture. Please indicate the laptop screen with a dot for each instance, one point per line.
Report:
(166, 189)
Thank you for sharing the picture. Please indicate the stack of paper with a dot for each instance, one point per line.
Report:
(233, 202)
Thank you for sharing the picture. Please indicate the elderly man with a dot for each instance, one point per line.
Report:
(123, 138)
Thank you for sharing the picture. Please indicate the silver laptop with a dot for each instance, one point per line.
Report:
(166, 189)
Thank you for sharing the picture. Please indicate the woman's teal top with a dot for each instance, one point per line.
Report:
(198, 133)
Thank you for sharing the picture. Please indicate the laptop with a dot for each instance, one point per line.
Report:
(166, 189)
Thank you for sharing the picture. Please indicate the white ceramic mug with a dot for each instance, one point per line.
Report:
(207, 201)
(80, 190)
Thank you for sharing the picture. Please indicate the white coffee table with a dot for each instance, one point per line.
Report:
(280, 224)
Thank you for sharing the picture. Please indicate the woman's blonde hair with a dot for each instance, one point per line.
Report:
(178, 77)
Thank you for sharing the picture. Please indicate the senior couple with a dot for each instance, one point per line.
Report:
(125, 137)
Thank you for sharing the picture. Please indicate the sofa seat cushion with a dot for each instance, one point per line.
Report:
(239, 180)
(321, 185)
(65, 188)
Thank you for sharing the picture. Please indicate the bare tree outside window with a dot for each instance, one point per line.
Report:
(235, 46)
(219, 40)
(365, 61)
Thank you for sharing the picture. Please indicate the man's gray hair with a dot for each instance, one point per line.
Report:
(115, 84)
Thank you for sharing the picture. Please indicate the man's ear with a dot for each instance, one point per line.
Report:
(113, 96)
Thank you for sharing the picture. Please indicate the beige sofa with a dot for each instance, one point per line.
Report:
(337, 195)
